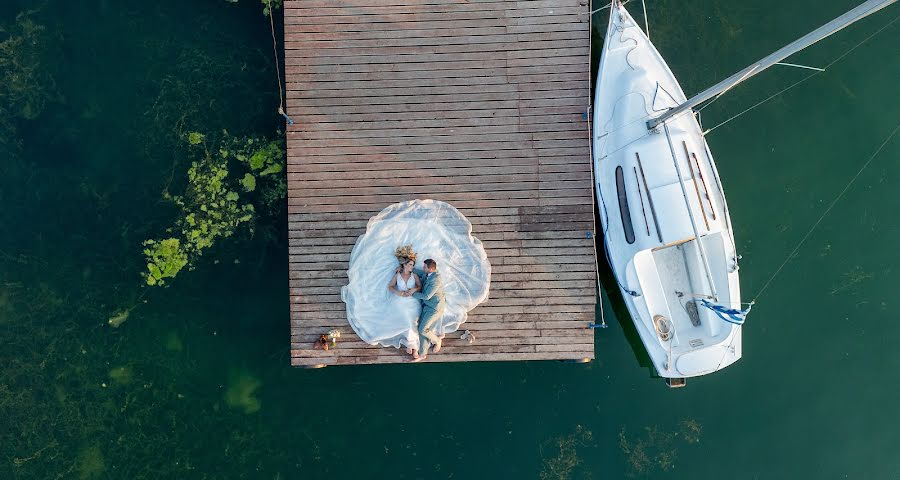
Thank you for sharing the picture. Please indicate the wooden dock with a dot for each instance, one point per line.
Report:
(478, 103)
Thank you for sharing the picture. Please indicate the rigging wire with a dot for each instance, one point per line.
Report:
(646, 22)
(607, 6)
(827, 210)
(804, 79)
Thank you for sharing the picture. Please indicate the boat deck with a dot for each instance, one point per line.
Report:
(476, 103)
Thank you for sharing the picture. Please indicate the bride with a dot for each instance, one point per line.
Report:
(404, 309)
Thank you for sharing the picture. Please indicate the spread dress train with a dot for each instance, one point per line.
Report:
(437, 231)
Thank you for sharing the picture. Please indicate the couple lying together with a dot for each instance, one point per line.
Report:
(413, 305)
(418, 301)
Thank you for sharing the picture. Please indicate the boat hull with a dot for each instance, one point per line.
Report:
(667, 230)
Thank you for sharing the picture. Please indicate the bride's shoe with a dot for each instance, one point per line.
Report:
(437, 346)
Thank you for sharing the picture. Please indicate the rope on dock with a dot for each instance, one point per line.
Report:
(277, 67)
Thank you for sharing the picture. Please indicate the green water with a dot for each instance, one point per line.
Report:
(196, 384)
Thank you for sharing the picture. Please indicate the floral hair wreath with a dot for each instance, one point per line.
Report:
(406, 251)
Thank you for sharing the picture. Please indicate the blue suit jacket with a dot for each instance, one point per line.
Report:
(432, 294)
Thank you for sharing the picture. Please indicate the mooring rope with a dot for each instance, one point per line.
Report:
(607, 6)
(277, 66)
(588, 114)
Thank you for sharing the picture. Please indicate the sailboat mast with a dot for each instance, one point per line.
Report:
(829, 28)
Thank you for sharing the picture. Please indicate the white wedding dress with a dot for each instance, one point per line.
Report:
(403, 315)
(436, 230)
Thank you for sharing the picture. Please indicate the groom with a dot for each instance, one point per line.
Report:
(432, 297)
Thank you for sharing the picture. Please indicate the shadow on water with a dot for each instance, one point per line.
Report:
(619, 309)
(599, 22)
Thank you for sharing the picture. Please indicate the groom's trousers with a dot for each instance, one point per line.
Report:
(427, 321)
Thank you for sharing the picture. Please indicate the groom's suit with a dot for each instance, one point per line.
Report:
(432, 297)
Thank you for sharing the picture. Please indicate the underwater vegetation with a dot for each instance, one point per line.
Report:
(564, 451)
(215, 203)
(198, 89)
(90, 463)
(82, 402)
(657, 449)
(241, 392)
(79, 399)
(851, 279)
(27, 81)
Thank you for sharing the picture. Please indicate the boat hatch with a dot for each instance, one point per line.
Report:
(624, 212)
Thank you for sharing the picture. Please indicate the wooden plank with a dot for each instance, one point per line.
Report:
(412, 171)
(542, 213)
(479, 143)
(339, 244)
(356, 8)
(398, 358)
(300, 73)
(483, 337)
(399, 126)
(337, 49)
(513, 155)
(451, 159)
(498, 42)
(352, 29)
(449, 134)
(321, 323)
(363, 186)
(378, 204)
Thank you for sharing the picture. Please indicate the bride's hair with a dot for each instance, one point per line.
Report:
(405, 254)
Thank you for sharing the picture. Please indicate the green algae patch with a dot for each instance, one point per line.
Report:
(165, 258)
(118, 319)
(90, 463)
(248, 182)
(174, 343)
(241, 392)
(122, 375)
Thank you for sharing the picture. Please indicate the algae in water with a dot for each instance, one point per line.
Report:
(565, 454)
(656, 449)
(241, 392)
(122, 375)
(90, 463)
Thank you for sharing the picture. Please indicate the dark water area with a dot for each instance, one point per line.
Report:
(196, 383)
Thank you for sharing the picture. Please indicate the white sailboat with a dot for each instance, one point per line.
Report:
(667, 230)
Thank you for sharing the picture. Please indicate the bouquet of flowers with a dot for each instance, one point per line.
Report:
(327, 340)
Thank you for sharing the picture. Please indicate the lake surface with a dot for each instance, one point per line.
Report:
(196, 383)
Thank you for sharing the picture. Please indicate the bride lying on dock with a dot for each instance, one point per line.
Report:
(436, 230)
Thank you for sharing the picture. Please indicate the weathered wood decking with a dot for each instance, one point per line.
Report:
(476, 103)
